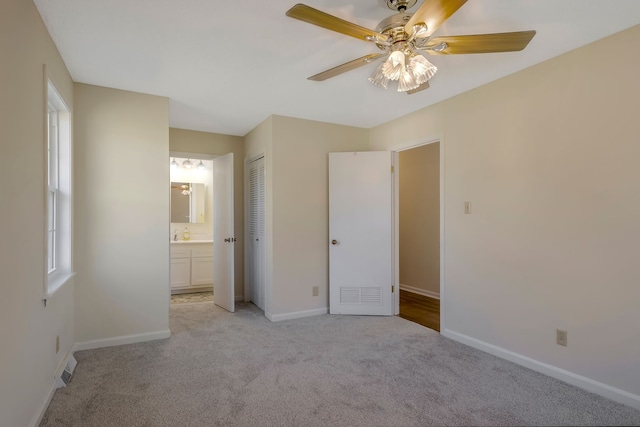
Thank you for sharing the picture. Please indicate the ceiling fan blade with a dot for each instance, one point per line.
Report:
(330, 22)
(420, 88)
(348, 66)
(480, 43)
(433, 13)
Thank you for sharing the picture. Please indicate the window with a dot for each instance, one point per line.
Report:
(58, 197)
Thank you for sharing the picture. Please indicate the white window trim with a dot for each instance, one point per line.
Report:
(60, 180)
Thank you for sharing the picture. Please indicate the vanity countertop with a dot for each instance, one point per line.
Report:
(180, 242)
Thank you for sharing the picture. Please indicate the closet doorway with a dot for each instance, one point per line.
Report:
(419, 233)
(256, 254)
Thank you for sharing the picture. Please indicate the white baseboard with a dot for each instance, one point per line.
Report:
(419, 291)
(585, 383)
(297, 314)
(37, 418)
(121, 340)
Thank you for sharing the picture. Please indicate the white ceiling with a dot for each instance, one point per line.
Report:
(226, 66)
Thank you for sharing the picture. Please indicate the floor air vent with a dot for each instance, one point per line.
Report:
(65, 376)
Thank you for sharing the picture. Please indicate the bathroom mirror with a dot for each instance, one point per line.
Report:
(187, 202)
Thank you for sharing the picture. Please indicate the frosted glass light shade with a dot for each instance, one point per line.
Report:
(378, 78)
(421, 69)
(407, 81)
(394, 65)
(408, 67)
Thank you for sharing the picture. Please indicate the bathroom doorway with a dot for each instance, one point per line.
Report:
(191, 228)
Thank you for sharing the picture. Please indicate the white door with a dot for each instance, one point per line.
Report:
(223, 235)
(360, 233)
(256, 232)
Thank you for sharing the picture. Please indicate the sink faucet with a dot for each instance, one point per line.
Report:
(175, 234)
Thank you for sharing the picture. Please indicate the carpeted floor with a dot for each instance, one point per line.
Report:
(223, 369)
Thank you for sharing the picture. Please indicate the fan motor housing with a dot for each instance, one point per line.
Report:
(393, 27)
(400, 4)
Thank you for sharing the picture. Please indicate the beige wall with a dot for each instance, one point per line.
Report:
(188, 141)
(121, 214)
(28, 329)
(300, 204)
(548, 157)
(419, 222)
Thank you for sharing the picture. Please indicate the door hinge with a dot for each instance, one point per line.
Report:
(393, 288)
(391, 169)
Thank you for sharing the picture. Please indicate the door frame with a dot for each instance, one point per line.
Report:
(195, 156)
(189, 155)
(408, 145)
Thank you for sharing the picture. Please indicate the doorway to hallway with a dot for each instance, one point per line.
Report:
(419, 233)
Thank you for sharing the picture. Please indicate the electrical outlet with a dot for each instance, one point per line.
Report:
(315, 291)
(467, 208)
(561, 337)
(57, 344)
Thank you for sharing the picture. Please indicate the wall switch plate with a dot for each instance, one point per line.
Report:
(467, 208)
(561, 337)
(315, 291)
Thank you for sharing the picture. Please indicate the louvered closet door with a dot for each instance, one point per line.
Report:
(360, 233)
(257, 231)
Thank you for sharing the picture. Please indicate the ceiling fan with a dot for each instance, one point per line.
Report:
(405, 38)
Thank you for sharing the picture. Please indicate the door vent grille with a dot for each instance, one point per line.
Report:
(361, 296)
(371, 296)
(349, 295)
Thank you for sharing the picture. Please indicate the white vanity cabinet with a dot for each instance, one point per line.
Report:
(191, 265)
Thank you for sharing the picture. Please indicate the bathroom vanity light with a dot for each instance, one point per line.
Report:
(174, 164)
(187, 164)
(201, 166)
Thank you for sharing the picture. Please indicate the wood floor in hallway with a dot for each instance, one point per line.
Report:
(420, 309)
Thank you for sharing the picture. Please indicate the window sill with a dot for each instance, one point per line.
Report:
(56, 284)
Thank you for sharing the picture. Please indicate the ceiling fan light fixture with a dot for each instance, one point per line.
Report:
(405, 36)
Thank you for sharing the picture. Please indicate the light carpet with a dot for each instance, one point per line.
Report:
(224, 369)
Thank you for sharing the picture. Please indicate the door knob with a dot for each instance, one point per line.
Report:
(334, 242)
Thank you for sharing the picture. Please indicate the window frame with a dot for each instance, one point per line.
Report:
(58, 178)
